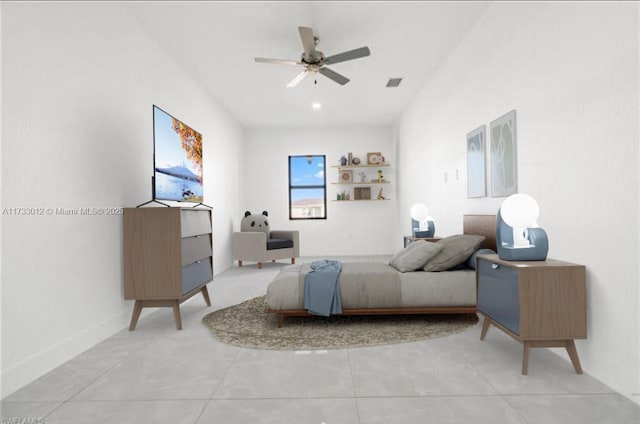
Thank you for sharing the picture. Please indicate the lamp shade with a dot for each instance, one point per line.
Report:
(419, 212)
(520, 210)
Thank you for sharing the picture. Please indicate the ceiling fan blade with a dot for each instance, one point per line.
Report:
(277, 61)
(308, 40)
(340, 79)
(350, 55)
(297, 79)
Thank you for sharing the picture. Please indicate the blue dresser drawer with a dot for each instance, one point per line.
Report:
(196, 274)
(498, 295)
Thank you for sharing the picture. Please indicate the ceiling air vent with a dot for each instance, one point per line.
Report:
(394, 82)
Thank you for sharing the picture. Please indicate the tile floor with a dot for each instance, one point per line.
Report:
(158, 375)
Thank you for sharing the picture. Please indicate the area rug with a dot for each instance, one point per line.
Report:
(249, 325)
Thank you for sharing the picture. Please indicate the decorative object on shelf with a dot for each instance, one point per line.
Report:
(343, 161)
(346, 176)
(363, 176)
(476, 175)
(503, 155)
(517, 234)
(382, 159)
(380, 196)
(380, 176)
(373, 158)
(350, 159)
(362, 193)
(422, 225)
(356, 161)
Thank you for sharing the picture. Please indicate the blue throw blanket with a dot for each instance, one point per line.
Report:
(321, 289)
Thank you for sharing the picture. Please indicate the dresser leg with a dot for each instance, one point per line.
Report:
(176, 314)
(573, 355)
(525, 357)
(137, 308)
(485, 328)
(205, 294)
(293, 261)
(259, 265)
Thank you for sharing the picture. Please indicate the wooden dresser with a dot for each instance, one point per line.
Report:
(540, 303)
(168, 257)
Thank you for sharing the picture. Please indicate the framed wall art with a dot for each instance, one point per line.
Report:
(504, 177)
(346, 177)
(476, 172)
(374, 158)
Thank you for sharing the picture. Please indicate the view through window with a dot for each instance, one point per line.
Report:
(307, 187)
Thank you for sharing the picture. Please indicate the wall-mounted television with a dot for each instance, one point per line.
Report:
(177, 159)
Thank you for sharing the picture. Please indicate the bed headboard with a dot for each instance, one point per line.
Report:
(483, 225)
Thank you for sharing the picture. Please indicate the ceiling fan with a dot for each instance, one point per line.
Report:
(314, 60)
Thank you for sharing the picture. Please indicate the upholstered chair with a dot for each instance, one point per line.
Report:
(256, 242)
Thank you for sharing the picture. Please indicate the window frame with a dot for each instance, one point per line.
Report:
(323, 186)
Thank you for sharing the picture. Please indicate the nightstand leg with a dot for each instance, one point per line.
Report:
(176, 314)
(525, 358)
(573, 355)
(485, 328)
(137, 308)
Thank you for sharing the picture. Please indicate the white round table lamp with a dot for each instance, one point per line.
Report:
(419, 212)
(520, 211)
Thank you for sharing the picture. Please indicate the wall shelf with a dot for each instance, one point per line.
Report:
(372, 182)
(354, 189)
(360, 200)
(360, 166)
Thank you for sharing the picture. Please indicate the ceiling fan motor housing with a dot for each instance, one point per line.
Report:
(314, 57)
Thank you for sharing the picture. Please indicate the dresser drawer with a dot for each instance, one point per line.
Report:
(498, 294)
(194, 222)
(195, 248)
(195, 274)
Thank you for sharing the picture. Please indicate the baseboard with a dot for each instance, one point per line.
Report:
(618, 376)
(39, 364)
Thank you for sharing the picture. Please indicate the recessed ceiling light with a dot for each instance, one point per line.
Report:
(316, 106)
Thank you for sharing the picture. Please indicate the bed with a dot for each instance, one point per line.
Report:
(375, 288)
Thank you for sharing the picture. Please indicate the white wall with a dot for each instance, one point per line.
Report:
(571, 72)
(78, 82)
(351, 228)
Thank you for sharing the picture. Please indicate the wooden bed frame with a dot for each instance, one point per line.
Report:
(484, 225)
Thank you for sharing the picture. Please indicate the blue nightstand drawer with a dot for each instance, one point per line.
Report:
(195, 274)
(498, 295)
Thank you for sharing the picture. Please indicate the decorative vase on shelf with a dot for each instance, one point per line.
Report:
(343, 161)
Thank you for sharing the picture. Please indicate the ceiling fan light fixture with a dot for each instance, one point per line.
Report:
(314, 61)
(316, 106)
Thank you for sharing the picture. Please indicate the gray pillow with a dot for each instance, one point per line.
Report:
(471, 262)
(457, 250)
(415, 255)
(401, 252)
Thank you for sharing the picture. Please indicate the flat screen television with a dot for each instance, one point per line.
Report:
(177, 159)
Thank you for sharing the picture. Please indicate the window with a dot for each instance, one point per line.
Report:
(307, 187)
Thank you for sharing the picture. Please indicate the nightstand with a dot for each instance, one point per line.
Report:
(539, 303)
(408, 239)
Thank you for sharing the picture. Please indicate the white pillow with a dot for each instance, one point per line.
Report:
(415, 256)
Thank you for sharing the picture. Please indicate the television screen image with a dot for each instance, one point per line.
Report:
(177, 159)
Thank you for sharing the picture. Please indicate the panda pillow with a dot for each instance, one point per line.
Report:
(255, 223)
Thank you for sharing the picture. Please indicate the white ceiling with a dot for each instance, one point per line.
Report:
(217, 43)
